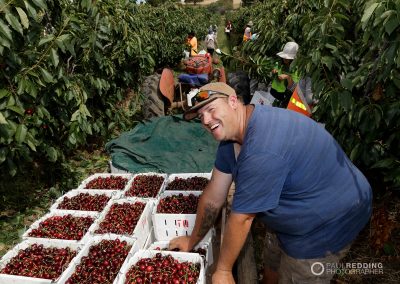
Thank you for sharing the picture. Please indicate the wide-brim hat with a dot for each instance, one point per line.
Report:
(289, 50)
(250, 23)
(222, 91)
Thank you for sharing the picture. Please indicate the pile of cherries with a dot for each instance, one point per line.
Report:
(200, 251)
(193, 183)
(178, 204)
(145, 186)
(121, 218)
(111, 182)
(40, 262)
(102, 263)
(66, 227)
(84, 202)
(163, 269)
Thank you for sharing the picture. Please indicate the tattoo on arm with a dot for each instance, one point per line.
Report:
(210, 215)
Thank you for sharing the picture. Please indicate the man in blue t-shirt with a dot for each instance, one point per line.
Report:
(288, 171)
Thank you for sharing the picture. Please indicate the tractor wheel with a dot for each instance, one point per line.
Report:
(240, 82)
(153, 103)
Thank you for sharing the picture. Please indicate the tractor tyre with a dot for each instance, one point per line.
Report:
(240, 82)
(153, 103)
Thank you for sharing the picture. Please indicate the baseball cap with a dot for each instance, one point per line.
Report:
(207, 94)
(289, 50)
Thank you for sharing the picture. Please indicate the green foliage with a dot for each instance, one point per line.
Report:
(66, 69)
(351, 51)
(220, 6)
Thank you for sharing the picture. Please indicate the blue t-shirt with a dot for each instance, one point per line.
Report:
(293, 173)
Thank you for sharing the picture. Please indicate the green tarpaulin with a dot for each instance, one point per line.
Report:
(167, 144)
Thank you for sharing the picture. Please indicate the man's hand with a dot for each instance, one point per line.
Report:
(284, 77)
(222, 277)
(181, 243)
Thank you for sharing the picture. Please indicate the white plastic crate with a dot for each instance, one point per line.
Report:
(115, 170)
(143, 226)
(168, 226)
(186, 176)
(85, 237)
(204, 245)
(128, 186)
(104, 175)
(94, 241)
(180, 256)
(15, 279)
(112, 194)
(208, 238)
(151, 238)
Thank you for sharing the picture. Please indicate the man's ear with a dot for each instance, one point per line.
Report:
(233, 101)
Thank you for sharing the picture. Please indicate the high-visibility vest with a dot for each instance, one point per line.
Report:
(298, 102)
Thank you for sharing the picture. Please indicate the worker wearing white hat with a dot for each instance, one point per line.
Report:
(247, 31)
(285, 79)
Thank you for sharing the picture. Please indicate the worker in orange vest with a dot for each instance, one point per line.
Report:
(302, 99)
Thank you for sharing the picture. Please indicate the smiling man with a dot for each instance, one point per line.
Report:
(288, 171)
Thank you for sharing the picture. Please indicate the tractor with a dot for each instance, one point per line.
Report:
(163, 95)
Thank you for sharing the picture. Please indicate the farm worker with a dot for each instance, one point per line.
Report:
(291, 173)
(285, 78)
(228, 29)
(247, 31)
(192, 42)
(302, 99)
(215, 30)
(211, 42)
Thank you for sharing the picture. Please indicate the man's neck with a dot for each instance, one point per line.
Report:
(244, 118)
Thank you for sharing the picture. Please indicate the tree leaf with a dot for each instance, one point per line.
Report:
(46, 39)
(51, 154)
(361, 113)
(347, 83)
(31, 141)
(385, 163)
(3, 154)
(327, 60)
(368, 13)
(5, 30)
(40, 4)
(16, 109)
(83, 110)
(23, 17)
(74, 116)
(54, 57)
(31, 10)
(355, 152)
(4, 93)
(345, 99)
(12, 168)
(20, 133)
(391, 24)
(47, 76)
(3, 120)
(31, 145)
(72, 139)
(14, 23)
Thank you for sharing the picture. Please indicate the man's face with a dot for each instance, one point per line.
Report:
(218, 117)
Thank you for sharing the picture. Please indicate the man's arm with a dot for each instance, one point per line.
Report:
(237, 228)
(210, 203)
